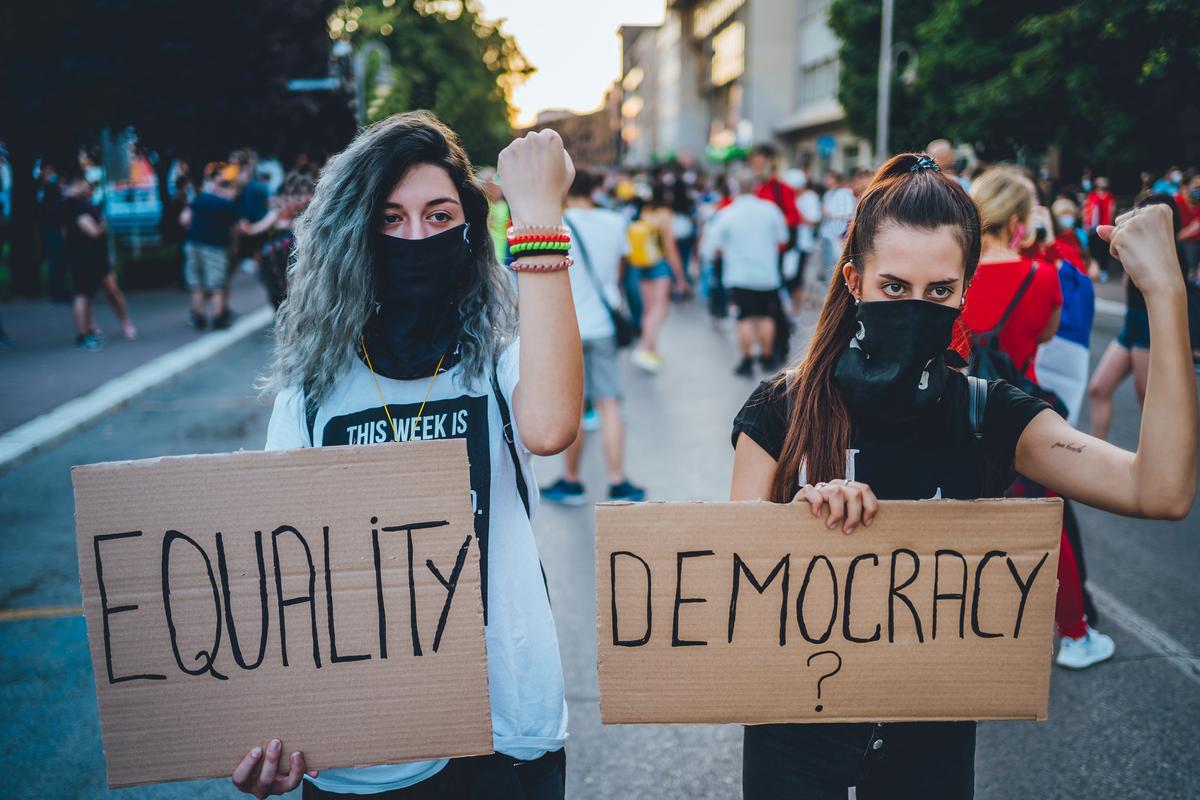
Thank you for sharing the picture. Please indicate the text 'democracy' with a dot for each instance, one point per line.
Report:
(757, 613)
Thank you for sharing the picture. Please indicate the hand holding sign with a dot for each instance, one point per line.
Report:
(259, 775)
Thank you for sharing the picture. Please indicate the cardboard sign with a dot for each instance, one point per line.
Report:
(329, 597)
(756, 612)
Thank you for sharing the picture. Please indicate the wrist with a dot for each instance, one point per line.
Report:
(549, 216)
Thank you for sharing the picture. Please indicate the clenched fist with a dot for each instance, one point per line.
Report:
(1143, 240)
(535, 172)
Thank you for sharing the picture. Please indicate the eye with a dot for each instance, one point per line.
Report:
(940, 292)
(390, 219)
(893, 289)
(440, 216)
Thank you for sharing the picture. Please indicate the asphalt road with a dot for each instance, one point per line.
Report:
(1125, 729)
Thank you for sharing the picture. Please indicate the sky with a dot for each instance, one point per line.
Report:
(573, 44)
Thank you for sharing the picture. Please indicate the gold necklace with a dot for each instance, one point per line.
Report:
(395, 433)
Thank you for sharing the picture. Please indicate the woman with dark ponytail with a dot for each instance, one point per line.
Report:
(878, 409)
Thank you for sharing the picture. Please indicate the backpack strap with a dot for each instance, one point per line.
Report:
(586, 262)
(1012, 304)
(510, 440)
(977, 393)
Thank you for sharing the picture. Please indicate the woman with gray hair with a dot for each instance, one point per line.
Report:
(400, 325)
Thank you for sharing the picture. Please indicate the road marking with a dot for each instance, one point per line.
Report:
(1110, 307)
(39, 612)
(35, 435)
(1176, 654)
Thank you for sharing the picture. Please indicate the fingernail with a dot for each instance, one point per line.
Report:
(256, 752)
(295, 756)
(274, 746)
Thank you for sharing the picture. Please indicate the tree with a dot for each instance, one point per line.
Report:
(445, 58)
(195, 80)
(1108, 82)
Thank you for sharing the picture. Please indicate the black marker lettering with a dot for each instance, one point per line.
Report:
(412, 581)
(894, 592)
(379, 590)
(846, 634)
(449, 585)
(205, 656)
(739, 567)
(223, 568)
(291, 601)
(804, 591)
(975, 601)
(961, 597)
(612, 577)
(334, 658)
(679, 600)
(1024, 587)
(106, 611)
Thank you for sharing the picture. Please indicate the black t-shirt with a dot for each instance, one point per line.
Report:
(82, 250)
(935, 457)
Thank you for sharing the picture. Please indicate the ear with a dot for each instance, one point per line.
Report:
(853, 280)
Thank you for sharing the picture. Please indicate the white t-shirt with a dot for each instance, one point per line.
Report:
(809, 205)
(604, 235)
(525, 680)
(837, 209)
(747, 233)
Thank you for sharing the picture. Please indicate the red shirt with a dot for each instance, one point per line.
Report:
(1187, 214)
(783, 196)
(990, 292)
(1098, 209)
(1065, 247)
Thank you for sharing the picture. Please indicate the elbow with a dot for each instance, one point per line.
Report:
(549, 442)
(1175, 507)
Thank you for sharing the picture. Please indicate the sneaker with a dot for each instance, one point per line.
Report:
(223, 320)
(591, 420)
(1091, 648)
(626, 491)
(128, 331)
(746, 368)
(98, 332)
(646, 361)
(198, 321)
(89, 341)
(564, 492)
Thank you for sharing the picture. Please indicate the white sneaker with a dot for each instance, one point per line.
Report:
(1091, 648)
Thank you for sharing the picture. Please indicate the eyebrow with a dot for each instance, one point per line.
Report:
(438, 201)
(898, 279)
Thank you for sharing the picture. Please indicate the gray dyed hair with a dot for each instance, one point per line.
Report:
(331, 278)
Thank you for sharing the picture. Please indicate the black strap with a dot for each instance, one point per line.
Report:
(507, 431)
(1012, 304)
(976, 404)
(310, 415)
(577, 241)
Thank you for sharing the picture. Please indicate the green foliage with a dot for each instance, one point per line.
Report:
(445, 58)
(1110, 82)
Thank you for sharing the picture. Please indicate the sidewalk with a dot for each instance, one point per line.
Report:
(43, 368)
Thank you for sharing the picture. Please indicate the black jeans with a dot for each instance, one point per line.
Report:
(896, 761)
(494, 777)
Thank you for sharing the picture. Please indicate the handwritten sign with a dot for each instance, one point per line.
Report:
(757, 613)
(329, 597)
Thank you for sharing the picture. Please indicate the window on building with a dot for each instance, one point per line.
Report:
(811, 8)
(709, 15)
(818, 81)
(729, 54)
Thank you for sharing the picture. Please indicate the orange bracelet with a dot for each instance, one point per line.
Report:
(553, 266)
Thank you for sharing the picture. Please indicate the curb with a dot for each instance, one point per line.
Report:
(41, 432)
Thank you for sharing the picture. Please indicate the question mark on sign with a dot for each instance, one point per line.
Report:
(835, 671)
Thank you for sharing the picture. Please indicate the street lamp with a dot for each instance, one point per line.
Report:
(889, 57)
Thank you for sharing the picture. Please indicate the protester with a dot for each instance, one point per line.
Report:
(254, 203)
(87, 255)
(1169, 183)
(655, 259)
(598, 244)
(1187, 200)
(837, 209)
(942, 152)
(1099, 209)
(1129, 352)
(809, 206)
(50, 219)
(683, 228)
(747, 236)
(397, 298)
(210, 220)
(876, 411)
(764, 162)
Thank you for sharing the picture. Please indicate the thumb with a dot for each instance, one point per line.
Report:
(1105, 232)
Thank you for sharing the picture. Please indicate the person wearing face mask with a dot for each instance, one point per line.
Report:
(1099, 208)
(876, 410)
(1188, 202)
(1169, 182)
(400, 324)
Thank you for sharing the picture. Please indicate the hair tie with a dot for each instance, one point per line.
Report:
(923, 163)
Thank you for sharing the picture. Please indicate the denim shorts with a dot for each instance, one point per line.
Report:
(601, 369)
(660, 270)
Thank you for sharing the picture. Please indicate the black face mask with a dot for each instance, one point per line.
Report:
(894, 368)
(419, 285)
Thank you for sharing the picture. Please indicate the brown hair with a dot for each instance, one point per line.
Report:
(819, 423)
(1002, 193)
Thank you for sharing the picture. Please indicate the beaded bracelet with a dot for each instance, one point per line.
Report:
(551, 266)
(517, 232)
(540, 247)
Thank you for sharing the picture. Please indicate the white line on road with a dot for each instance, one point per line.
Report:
(1110, 307)
(1154, 638)
(40, 432)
